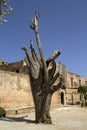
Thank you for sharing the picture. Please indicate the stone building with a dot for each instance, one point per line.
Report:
(15, 88)
(18, 67)
(2, 62)
(73, 82)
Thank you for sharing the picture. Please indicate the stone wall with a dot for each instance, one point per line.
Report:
(15, 92)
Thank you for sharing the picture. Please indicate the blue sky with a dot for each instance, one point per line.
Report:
(62, 26)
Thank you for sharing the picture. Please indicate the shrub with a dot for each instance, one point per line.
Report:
(2, 112)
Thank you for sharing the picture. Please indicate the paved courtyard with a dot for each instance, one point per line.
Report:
(64, 118)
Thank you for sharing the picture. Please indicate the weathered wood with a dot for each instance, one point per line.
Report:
(34, 26)
(42, 75)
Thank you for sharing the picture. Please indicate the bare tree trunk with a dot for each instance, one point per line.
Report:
(42, 77)
(82, 99)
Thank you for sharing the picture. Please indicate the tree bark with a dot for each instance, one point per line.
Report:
(42, 77)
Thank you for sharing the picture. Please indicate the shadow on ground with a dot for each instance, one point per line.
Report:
(17, 119)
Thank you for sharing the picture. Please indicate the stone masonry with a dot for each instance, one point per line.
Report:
(16, 92)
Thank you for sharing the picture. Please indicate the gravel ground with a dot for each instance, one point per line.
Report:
(64, 118)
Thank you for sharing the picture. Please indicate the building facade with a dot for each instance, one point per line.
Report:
(16, 91)
(73, 82)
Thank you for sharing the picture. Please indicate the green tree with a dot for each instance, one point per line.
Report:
(83, 91)
(5, 9)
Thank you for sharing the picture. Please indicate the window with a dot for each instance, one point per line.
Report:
(72, 82)
(79, 82)
(17, 71)
(86, 83)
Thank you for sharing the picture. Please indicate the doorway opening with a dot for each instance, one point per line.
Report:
(62, 98)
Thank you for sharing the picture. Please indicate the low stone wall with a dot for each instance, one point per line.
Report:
(15, 111)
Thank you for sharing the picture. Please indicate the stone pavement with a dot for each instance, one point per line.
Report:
(64, 118)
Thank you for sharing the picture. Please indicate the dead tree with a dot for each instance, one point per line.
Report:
(42, 75)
